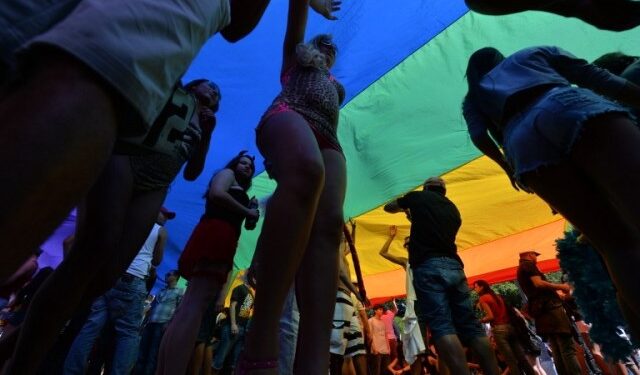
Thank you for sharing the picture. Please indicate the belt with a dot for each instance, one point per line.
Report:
(128, 278)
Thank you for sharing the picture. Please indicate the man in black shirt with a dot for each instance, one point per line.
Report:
(546, 308)
(438, 277)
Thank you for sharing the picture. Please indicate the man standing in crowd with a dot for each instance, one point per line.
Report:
(546, 308)
(240, 311)
(162, 311)
(439, 279)
(378, 341)
(123, 306)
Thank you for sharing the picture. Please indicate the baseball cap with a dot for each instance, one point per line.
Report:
(529, 252)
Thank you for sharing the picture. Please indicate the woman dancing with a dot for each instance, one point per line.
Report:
(208, 258)
(302, 228)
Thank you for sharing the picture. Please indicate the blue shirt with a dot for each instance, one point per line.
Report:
(526, 69)
(167, 301)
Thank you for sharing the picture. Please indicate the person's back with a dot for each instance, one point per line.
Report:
(530, 68)
(443, 298)
(435, 222)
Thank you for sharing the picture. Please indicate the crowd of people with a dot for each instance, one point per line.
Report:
(115, 126)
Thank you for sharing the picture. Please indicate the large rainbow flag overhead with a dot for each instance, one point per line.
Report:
(402, 63)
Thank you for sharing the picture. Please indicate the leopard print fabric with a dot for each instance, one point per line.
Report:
(316, 95)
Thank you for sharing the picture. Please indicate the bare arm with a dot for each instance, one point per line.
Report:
(345, 278)
(542, 284)
(394, 307)
(384, 251)
(487, 146)
(223, 292)
(195, 164)
(488, 314)
(245, 15)
(393, 207)
(296, 26)
(364, 322)
(232, 314)
(28, 267)
(158, 249)
(218, 192)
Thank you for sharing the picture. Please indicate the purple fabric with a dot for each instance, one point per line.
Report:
(52, 248)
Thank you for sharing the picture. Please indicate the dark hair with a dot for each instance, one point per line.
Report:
(378, 306)
(485, 288)
(245, 184)
(480, 63)
(615, 62)
(174, 273)
(196, 82)
(233, 163)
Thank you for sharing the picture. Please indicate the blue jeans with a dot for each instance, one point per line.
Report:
(444, 300)
(122, 305)
(149, 347)
(229, 344)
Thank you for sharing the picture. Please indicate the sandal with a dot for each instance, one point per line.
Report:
(245, 365)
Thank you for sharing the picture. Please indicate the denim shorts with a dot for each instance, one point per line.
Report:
(444, 301)
(545, 133)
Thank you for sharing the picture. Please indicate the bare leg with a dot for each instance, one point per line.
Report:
(608, 155)
(58, 128)
(589, 209)
(360, 364)
(207, 360)
(317, 277)
(97, 237)
(286, 141)
(180, 336)
(197, 359)
(615, 15)
(142, 213)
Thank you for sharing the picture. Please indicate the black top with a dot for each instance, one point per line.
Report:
(435, 221)
(526, 270)
(244, 304)
(213, 211)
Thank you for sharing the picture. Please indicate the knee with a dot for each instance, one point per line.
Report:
(305, 178)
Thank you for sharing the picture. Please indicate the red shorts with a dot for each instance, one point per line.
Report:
(213, 241)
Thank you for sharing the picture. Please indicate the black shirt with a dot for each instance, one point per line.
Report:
(435, 222)
(243, 298)
(526, 270)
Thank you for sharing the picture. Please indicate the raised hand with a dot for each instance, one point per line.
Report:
(326, 8)
(393, 230)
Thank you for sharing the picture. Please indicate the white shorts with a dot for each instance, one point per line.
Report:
(341, 322)
(355, 340)
(140, 47)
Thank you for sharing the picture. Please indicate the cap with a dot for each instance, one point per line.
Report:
(529, 252)
(431, 181)
(168, 214)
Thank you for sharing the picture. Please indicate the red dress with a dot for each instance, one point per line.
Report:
(214, 240)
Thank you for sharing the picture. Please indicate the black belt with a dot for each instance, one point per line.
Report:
(128, 278)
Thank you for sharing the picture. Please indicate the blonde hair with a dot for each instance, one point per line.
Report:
(308, 54)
